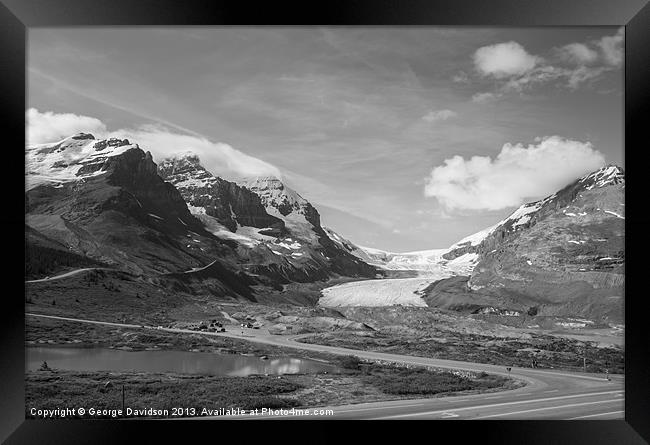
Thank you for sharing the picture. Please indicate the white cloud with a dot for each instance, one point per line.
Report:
(516, 175)
(216, 157)
(578, 53)
(541, 74)
(439, 115)
(612, 47)
(583, 74)
(219, 158)
(573, 65)
(504, 60)
(460, 77)
(607, 51)
(481, 98)
(52, 127)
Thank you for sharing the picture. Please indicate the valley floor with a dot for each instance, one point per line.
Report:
(185, 320)
(356, 381)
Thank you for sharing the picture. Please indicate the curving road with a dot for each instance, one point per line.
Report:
(67, 274)
(548, 394)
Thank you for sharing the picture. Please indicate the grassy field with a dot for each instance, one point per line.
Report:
(102, 295)
(358, 382)
(548, 351)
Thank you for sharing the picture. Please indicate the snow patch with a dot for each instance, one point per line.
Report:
(614, 213)
(197, 269)
(196, 210)
(293, 246)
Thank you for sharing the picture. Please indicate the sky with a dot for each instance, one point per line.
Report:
(404, 138)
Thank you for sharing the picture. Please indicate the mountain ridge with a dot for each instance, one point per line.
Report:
(105, 199)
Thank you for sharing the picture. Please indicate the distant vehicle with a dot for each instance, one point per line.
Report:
(159, 327)
(246, 325)
(256, 327)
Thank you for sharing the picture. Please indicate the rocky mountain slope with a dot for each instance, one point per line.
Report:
(105, 201)
(302, 221)
(276, 231)
(225, 202)
(563, 254)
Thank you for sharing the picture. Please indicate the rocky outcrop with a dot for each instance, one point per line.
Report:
(229, 203)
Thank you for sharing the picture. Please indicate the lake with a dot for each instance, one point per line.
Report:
(181, 362)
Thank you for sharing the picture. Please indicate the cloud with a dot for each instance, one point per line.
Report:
(219, 158)
(503, 60)
(460, 77)
(583, 74)
(569, 66)
(578, 53)
(440, 115)
(516, 175)
(481, 98)
(612, 47)
(52, 127)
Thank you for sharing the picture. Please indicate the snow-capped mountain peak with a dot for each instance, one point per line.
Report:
(73, 158)
(608, 175)
(221, 205)
(285, 203)
(576, 199)
(185, 170)
(274, 193)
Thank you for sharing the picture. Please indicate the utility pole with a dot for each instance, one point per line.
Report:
(584, 360)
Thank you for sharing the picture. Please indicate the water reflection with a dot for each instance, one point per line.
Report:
(102, 359)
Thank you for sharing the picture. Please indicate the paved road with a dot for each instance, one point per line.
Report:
(548, 394)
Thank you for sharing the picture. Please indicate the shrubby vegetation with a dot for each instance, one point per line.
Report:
(548, 351)
(419, 381)
(53, 389)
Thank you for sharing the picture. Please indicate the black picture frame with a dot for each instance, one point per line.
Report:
(16, 16)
